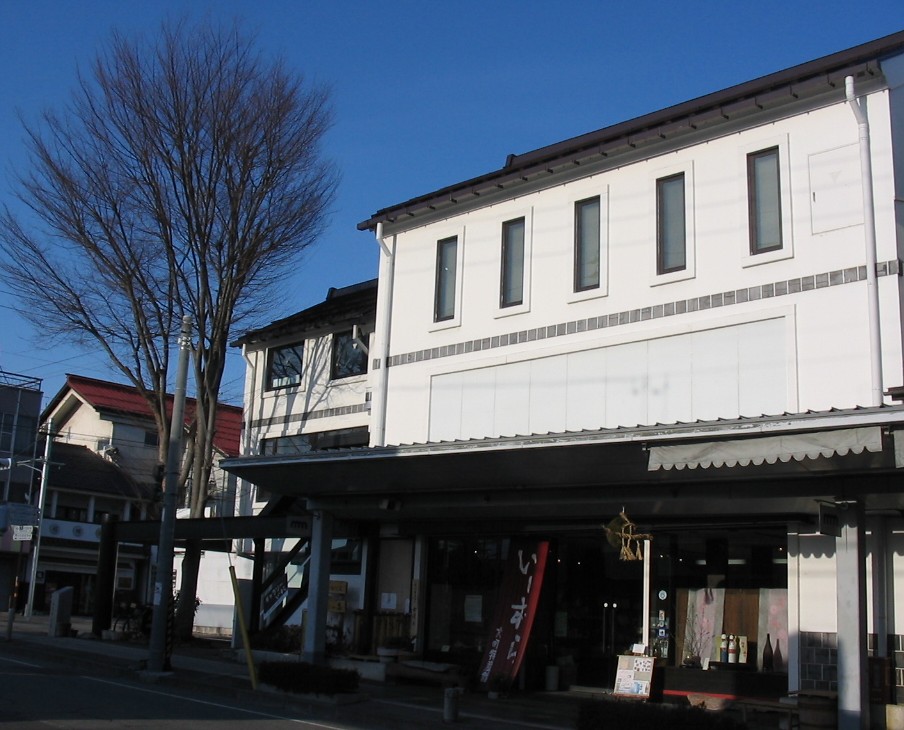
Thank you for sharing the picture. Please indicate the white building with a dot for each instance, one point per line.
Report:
(306, 391)
(693, 318)
(113, 422)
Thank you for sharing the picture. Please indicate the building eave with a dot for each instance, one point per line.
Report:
(814, 78)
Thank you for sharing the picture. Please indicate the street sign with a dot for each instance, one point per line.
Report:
(22, 532)
(22, 514)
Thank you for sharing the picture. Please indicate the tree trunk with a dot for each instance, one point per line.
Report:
(188, 591)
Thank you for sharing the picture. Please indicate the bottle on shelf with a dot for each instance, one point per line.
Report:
(768, 658)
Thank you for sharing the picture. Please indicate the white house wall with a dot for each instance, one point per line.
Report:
(318, 404)
(800, 343)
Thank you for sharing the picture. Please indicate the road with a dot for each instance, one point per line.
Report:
(37, 694)
(47, 692)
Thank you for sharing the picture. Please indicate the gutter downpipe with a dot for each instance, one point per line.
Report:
(869, 232)
(378, 436)
(246, 502)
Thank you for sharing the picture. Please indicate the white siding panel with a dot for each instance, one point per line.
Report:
(478, 403)
(670, 379)
(626, 385)
(763, 373)
(512, 400)
(719, 373)
(586, 397)
(715, 358)
(445, 407)
(548, 387)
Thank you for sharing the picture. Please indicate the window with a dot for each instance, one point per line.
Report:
(671, 226)
(284, 366)
(349, 358)
(304, 443)
(24, 427)
(512, 285)
(587, 244)
(446, 274)
(151, 438)
(764, 201)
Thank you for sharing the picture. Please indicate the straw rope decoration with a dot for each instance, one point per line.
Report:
(622, 535)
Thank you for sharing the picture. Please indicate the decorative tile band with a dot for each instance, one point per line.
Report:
(312, 415)
(658, 311)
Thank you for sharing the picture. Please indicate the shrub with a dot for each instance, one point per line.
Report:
(308, 678)
(285, 640)
(607, 714)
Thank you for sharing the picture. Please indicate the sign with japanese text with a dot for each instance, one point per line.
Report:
(515, 611)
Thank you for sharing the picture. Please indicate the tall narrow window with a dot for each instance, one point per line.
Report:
(764, 201)
(512, 286)
(671, 224)
(446, 273)
(587, 244)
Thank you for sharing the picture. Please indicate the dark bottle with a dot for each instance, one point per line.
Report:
(768, 664)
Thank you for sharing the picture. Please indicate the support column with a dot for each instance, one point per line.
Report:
(314, 650)
(257, 579)
(850, 572)
(105, 587)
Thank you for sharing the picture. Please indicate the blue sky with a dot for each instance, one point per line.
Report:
(425, 95)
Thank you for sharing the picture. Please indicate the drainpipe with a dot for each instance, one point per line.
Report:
(246, 503)
(869, 232)
(378, 423)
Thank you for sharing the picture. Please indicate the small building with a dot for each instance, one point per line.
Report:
(107, 429)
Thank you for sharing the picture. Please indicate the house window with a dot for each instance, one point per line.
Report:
(512, 279)
(587, 244)
(446, 274)
(764, 200)
(151, 438)
(671, 224)
(284, 366)
(349, 358)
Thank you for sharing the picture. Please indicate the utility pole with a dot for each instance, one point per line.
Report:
(42, 494)
(158, 661)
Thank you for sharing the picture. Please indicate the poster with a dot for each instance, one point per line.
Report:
(634, 676)
(515, 610)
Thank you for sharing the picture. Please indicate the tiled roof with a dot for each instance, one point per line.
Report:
(78, 469)
(125, 399)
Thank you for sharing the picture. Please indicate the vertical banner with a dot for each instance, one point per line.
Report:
(515, 611)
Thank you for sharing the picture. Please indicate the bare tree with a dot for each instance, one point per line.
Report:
(185, 177)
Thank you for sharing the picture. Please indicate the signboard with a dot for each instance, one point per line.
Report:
(634, 676)
(22, 532)
(515, 610)
(22, 514)
(273, 596)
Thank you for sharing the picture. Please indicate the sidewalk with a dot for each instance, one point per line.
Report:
(210, 666)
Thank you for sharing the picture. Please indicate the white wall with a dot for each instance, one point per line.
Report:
(824, 330)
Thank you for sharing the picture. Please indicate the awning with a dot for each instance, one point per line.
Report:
(766, 449)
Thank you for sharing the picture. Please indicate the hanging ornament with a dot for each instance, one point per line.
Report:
(622, 534)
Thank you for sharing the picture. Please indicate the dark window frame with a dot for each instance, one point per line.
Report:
(753, 202)
(272, 353)
(444, 291)
(663, 244)
(360, 369)
(580, 261)
(506, 280)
